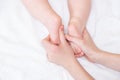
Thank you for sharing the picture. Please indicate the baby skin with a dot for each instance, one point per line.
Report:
(79, 12)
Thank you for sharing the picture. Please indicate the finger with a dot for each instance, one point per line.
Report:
(77, 41)
(54, 35)
(62, 35)
(78, 49)
(73, 48)
(78, 55)
(82, 53)
(73, 39)
(47, 43)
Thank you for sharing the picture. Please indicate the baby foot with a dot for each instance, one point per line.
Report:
(75, 29)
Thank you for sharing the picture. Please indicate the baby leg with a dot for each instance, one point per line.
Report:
(42, 11)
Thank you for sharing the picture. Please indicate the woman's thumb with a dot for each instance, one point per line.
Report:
(74, 40)
(62, 35)
(46, 42)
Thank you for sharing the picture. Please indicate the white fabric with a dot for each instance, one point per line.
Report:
(22, 56)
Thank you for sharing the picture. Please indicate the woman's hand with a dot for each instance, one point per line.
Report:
(61, 54)
(93, 54)
(86, 44)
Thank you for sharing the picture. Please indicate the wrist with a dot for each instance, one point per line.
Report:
(77, 18)
(71, 64)
(97, 55)
(77, 71)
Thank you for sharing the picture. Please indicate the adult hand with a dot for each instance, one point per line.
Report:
(86, 44)
(61, 54)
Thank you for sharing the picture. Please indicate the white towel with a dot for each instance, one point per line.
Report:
(22, 56)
